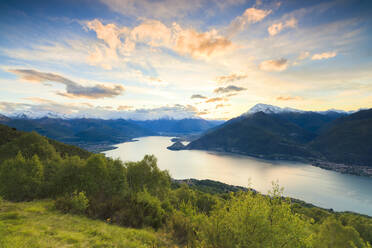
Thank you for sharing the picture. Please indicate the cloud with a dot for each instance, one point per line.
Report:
(200, 45)
(288, 98)
(198, 96)
(222, 105)
(124, 107)
(41, 107)
(228, 89)
(153, 33)
(303, 55)
(326, 55)
(274, 65)
(204, 112)
(73, 89)
(250, 15)
(216, 99)
(230, 78)
(276, 28)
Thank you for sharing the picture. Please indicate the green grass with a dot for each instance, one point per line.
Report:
(38, 224)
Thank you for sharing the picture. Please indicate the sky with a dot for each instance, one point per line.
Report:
(213, 59)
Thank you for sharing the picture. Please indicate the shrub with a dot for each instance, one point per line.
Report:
(141, 210)
(249, 220)
(76, 203)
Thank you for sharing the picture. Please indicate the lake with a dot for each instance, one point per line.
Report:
(320, 187)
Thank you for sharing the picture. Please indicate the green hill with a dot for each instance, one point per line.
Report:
(331, 137)
(39, 224)
(32, 143)
(259, 134)
(347, 140)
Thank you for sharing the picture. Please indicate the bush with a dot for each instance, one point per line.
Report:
(141, 210)
(76, 203)
(249, 220)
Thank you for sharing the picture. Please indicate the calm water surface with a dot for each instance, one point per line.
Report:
(318, 186)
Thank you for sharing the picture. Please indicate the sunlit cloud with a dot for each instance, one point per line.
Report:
(303, 55)
(276, 28)
(228, 89)
(216, 99)
(274, 65)
(222, 105)
(73, 89)
(326, 55)
(250, 15)
(122, 41)
(124, 107)
(230, 78)
(288, 98)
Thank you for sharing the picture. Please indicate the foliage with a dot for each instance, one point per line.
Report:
(333, 234)
(76, 203)
(146, 175)
(252, 220)
(20, 178)
(141, 210)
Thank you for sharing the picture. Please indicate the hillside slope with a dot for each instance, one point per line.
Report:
(348, 139)
(13, 141)
(259, 134)
(37, 224)
(86, 133)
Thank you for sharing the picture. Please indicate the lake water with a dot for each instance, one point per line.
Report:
(321, 187)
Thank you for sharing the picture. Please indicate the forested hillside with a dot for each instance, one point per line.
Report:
(140, 195)
(348, 139)
(97, 134)
(308, 136)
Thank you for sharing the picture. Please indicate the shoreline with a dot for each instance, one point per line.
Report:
(208, 184)
(355, 170)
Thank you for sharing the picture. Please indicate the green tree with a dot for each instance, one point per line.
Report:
(145, 174)
(20, 178)
(332, 234)
(254, 220)
(69, 176)
(95, 175)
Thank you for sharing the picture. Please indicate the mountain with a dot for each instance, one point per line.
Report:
(4, 118)
(270, 109)
(86, 133)
(283, 133)
(12, 141)
(176, 127)
(312, 122)
(347, 139)
(98, 134)
(258, 134)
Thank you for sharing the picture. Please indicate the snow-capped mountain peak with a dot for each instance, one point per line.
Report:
(37, 115)
(270, 109)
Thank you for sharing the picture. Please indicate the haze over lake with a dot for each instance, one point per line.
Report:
(321, 187)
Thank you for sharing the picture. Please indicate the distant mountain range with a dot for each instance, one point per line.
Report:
(282, 133)
(98, 134)
(270, 109)
(264, 131)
